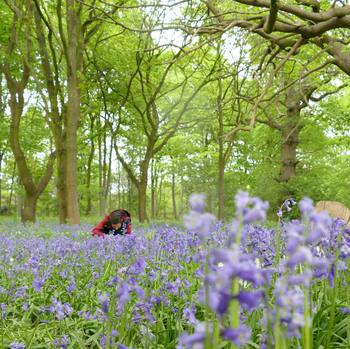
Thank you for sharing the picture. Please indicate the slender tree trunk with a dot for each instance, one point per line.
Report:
(173, 194)
(89, 169)
(182, 206)
(159, 198)
(32, 190)
(104, 170)
(9, 204)
(107, 186)
(1, 157)
(100, 168)
(119, 186)
(221, 161)
(153, 189)
(164, 211)
(129, 194)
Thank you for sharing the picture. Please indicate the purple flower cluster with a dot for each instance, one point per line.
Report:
(203, 285)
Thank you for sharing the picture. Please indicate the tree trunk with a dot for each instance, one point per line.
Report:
(164, 211)
(129, 194)
(159, 198)
(142, 185)
(221, 186)
(289, 154)
(173, 194)
(142, 198)
(61, 184)
(9, 204)
(107, 174)
(290, 134)
(182, 201)
(1, 156)
(89, 168)
(28, 209)
(153, 189)
(74, 62)
(221, 160)
(104, 170)
(73, 111)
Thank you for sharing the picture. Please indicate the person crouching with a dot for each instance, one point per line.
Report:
(118, 222)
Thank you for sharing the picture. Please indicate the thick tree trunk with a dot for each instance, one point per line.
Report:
(289, 154)
(61, 181)
(142, 185)
(74, 61)
(290, 134)
(142, 199)
(73, 112)
(28, 209)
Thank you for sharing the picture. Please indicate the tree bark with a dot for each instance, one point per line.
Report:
(74, 64)
(28, 209)
(221, 160)
(173, 194)
(9, 204)
(290, 131)
(153, 192)
(89, 168)
(1, 157)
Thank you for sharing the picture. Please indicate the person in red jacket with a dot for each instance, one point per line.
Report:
(117, 222)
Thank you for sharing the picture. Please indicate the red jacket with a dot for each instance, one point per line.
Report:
(104, 227)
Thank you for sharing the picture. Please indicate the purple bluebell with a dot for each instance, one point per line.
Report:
(195, 340)
(345, 310)
(104, 299)
(3, 311)
(300, 256)
(17, 345)
(239, 336)
(62, 342)
(306, 206)
(250, 299)
(197, 202)
(189, 314)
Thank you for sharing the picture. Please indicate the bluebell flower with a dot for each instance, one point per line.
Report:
(17, 345)
(197, 202)
(306, 206)
(239, 336)
(104, 299)
(250, 299)
(188, 313)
